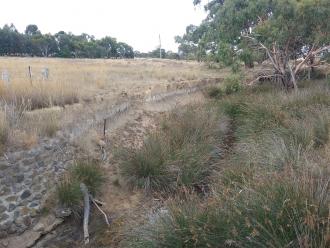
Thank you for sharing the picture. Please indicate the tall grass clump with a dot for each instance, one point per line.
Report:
(185, 223)
(275, 211)
(88, 172)
(69, 193)
(4, 130)
(41, 95)
(145, 167)
(321, 131)
(177, 155)
(214, 92)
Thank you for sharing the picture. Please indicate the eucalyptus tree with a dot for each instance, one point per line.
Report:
(286, 30)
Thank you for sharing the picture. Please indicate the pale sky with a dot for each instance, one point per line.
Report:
(136, 22)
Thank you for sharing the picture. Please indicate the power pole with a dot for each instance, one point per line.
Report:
(160, 47)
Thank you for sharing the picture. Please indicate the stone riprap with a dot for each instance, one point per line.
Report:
(25, 179)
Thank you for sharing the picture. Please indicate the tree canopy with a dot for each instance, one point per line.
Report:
(67, 45)
(283, 30)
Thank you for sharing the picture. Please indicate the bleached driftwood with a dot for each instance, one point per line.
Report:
(84, 190)
(87, 199)
(96, 203)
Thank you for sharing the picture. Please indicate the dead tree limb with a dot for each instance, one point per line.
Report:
(99, 202)
(84, 190)
(97, 206)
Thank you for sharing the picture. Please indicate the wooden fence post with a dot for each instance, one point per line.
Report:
(30, 75)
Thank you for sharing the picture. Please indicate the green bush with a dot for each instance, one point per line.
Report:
(214, 92)
(232, 84)
(236, 67)
(234, 109)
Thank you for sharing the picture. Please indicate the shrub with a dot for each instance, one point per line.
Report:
(233, 109)
(236, 67)
(48, 124)
(214, 92)
(232, 84)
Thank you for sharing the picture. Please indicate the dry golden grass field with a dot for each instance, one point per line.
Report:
(36, 106)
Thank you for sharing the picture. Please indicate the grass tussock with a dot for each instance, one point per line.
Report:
(4, 131)
(287, 211)
(232, 84)
(272, 187)
(177, 155)
(88, 172)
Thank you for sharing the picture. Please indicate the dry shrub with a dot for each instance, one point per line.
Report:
(48, 123)
(42, 95)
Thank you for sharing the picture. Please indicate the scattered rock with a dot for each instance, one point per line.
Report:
(4, 217)
(2, 208)
(25, 194)
(33, 204)
(3, 234)
(5, 225)
(11, 207)
(5, 243)
(11, 198)
(63, 212)
(19, 178)
(40, 227)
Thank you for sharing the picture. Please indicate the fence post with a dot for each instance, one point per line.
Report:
(104, 127)
(30, 75)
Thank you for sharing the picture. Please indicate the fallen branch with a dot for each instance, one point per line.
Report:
(97, 206)
(99, 202)
(84, 190)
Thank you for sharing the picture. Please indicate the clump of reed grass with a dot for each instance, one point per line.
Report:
(88, 172)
